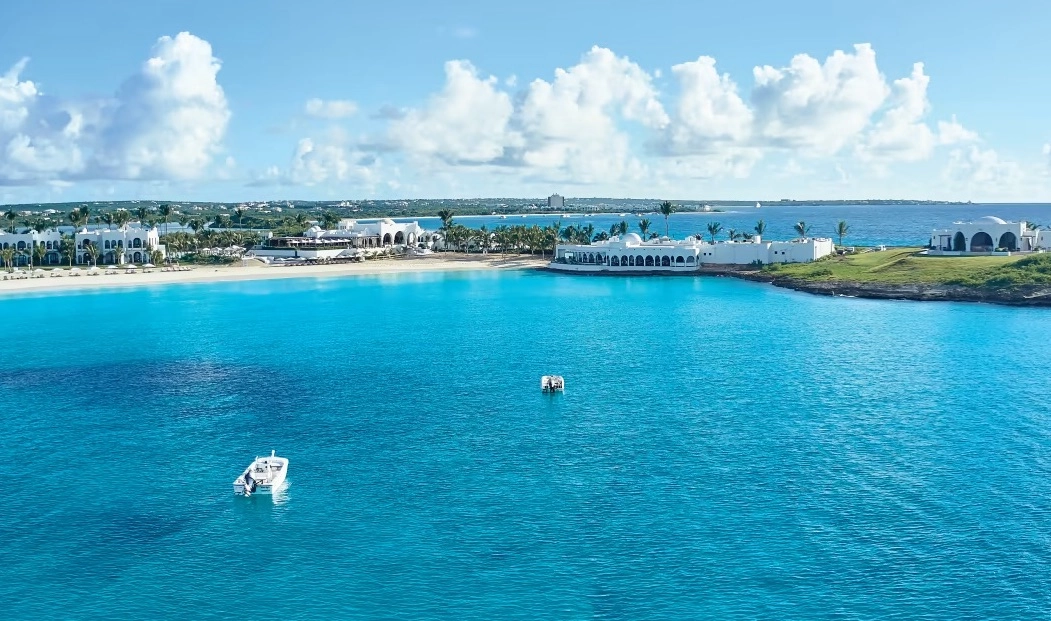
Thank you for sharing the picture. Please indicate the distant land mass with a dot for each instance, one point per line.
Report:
(430, 207)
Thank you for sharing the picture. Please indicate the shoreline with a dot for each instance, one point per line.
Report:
(920, 292)
(1035, 296)
(1031, 296)
(207, 274)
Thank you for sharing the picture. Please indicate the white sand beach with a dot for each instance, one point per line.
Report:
(256, 271)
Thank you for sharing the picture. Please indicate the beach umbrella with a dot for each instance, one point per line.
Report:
(149, 265)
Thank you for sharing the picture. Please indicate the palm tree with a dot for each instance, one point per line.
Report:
(802, 228)
(240, 213)
(548, 239)
(623, 227)
(143, 213)
(446, 216)
(329, 220)
(8, 255)
(74, 218)
(760, 228)
(69, 249)
(92, 251)
(667, 209)
(166, 213)
(28, 253)
(196, 224)
(121, 217)
(714, 228)
(40, 252)
(842, 230)
(118, 253)
(11, 217)
(644, 227)
(587, 233)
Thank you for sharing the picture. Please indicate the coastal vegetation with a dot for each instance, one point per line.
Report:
(842, 230)
(667, 209)
(714, 228)
(905, 266)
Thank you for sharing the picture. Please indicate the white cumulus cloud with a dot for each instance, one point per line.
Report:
(328, 160)
(975, 167)
(571, 125)
(170, 118)
(165, 122)
(468, 122)
(709, 111)
(902, 134)
(818, 107)
(330, 109)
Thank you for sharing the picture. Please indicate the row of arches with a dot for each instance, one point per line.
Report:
(136, 242)
(983, 242)
(651, 261)
(592, 258)
(398, 239)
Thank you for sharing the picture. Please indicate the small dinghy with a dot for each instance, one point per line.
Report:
(552, 383)
(265, 475)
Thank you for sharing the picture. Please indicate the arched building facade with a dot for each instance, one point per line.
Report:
(629, 253)
(986, 236)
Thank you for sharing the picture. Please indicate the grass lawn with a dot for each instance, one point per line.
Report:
(905, 266)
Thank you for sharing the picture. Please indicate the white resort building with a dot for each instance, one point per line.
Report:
(27, 240)
(986, 236)
(137, 242)
(630, 253)
(350, 238)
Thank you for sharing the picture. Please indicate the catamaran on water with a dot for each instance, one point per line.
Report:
(265, 475)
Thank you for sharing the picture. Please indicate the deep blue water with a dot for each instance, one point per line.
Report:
(723, 450)
(894, 225)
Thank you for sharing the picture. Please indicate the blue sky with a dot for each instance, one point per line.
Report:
(188, 100)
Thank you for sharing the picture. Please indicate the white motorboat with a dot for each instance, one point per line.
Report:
(265, 475)
(552, 383)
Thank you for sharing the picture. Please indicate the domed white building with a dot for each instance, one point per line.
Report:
(348, 239)
(987, 235)
(629, 253)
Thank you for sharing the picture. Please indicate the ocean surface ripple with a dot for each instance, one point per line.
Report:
(723, 450)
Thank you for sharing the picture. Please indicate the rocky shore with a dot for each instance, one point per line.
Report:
(1015, 296)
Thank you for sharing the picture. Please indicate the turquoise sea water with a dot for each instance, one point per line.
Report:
(723, 450)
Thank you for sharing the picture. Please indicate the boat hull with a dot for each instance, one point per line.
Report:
(274, 471)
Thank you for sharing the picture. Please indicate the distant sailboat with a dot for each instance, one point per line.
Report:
(757, 205)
